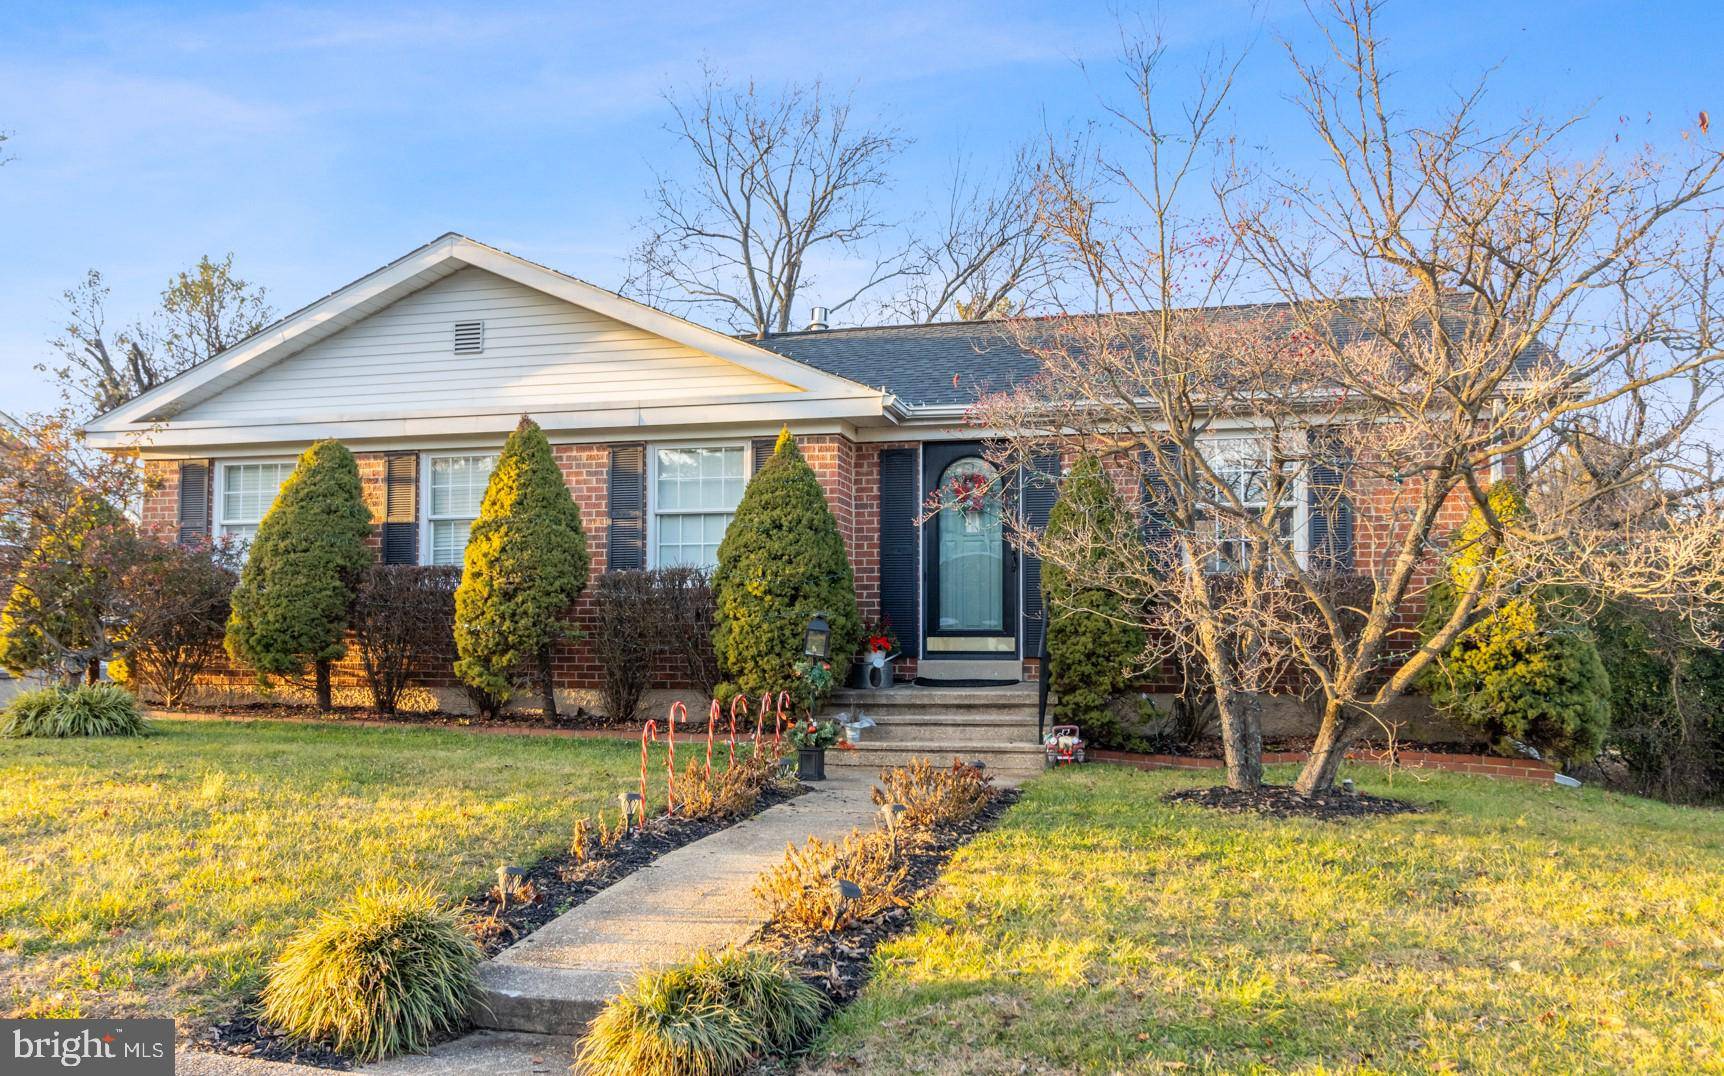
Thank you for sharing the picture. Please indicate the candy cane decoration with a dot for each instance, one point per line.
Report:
(711, 727)
(778, 717)
(670, 759)
(760, 722)
(649, 731)
(731, 743)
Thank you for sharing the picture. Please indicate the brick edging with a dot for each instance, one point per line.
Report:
(1513, 769)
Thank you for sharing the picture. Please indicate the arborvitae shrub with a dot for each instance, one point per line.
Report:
(781, 562)
(1093, 640)
(526, 564)
(294, 600)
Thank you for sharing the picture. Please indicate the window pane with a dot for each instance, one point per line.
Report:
(449, 540)
(458, 484)
(248, 489)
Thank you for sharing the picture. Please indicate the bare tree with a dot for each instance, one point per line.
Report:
(1458, 306)
(204, 310)
(776, 182)
(987, 253)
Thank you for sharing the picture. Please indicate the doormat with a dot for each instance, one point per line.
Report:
(929, 681)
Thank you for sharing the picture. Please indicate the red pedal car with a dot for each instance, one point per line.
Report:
(1065, 745)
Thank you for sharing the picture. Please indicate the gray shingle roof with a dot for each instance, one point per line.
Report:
(956, 362)
(916, 363)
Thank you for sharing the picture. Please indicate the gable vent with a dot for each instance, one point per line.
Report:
(469, 337)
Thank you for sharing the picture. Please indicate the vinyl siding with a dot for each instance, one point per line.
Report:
(541, 353)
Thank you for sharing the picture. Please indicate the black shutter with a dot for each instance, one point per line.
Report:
(1040, 488)
(1156, 524)
(900, 547)
(194, 513)
(401, 508)
(1331, 508)
(625, 544)
(762, 448)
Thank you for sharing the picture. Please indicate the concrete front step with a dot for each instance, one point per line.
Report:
(1010, 760)
(937, 700)
(957, 729)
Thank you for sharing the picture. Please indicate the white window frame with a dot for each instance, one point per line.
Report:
(1299, 523)
(652, 507)
(219, 522)
(425, 516)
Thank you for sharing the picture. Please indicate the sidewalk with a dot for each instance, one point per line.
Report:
(698, 897)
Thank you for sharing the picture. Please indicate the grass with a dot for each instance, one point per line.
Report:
(1512, 928)
(159, 876)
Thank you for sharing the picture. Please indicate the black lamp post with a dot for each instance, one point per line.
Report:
(817, 640)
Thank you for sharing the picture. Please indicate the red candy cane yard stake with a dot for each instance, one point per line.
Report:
(649, 731)
(676, 708)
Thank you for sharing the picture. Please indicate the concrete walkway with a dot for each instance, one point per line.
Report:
(698, 897)
(541, 992)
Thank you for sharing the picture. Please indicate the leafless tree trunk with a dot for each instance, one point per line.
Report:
(775, 181)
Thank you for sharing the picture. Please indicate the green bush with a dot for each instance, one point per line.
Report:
(296, 589)
(526, 564)
(708, 1017)
(385, 973)
(1667, 704)
(59, 713)
(781, 562)
(1093, 640)
(1523, 672)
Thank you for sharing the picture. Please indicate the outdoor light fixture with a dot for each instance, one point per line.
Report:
(629, 801)
(509, 879)
(890, 812)
(817, 642)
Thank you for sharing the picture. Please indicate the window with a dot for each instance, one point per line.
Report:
(1242, 464)
(456, 486)
(695, 492)
(247, 491)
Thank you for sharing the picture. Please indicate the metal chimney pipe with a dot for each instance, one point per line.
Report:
(817, 318)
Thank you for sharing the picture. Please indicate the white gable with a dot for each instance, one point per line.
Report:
(375, 361)
(541, 353)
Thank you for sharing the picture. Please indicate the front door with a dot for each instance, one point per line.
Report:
(971, 571)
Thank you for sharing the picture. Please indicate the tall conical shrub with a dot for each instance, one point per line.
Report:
(526, 564)
(296, 589)
(781, 562)
(1092, 642)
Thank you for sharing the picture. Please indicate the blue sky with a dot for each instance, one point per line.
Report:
(320, 141)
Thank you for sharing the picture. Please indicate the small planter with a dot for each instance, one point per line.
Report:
(811, 763)
(873, 671)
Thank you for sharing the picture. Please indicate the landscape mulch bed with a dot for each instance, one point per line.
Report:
(1281, 801)
(838, 964)
(550, 887)
(580, 720)
(1211, 747)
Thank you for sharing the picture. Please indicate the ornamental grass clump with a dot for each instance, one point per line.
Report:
(933, 797)
(708, 1017)
(802, 895)
(385, 973)
(60, 713)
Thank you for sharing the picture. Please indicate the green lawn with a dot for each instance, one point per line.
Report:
(158, 876)
(1511, 929)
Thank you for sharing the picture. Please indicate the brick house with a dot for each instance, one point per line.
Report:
(423, 367)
